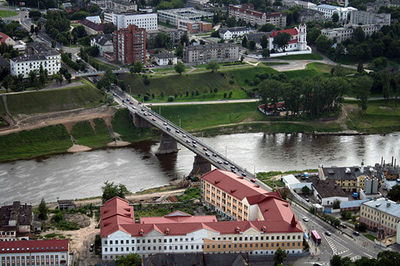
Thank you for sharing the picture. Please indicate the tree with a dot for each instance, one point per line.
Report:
(32, 76)
(213, 66)
(265, 53)
(267, 27)
(58, 77)
(264, 41)
(335, 17)
(312, 35)
(215, 34)
(132, 259)
(323, 44)
(279, 256)
(184, 39)
(394, 193)
(360, 67)
(179, 68)
(7, 81)
(336, 204)
(109, 28)
(252, 45)
(281, 40)
(244, 41)
(32, 29)
(346, 215)
(362, 227)
(305, 190)
(110, 191)
(179, 51)
(362, 89)
(136, 68)
(42, 209)
(359, 34)
(336, 260)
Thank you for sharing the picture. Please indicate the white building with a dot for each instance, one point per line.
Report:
(34, 252)
(94, 19)
(232, 33)
(359, 17)
(104, 43)
(147, 21)
(297, 42)
(344, 33)
(164, 59)
(343, 12)
(173, 16)
(293, 183)
(50, 61)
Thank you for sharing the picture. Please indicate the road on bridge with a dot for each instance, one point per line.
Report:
(183, 137)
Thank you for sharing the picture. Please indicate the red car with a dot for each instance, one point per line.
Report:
(253, 180)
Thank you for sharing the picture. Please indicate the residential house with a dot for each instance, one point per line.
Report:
(163, 59)
(15, 221)
(104, 42)
(233, 33)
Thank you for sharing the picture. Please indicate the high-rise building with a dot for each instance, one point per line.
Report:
(130, 45)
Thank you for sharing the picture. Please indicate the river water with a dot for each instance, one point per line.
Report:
(81, 175)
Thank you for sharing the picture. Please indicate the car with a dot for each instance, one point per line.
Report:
(307, 199)
(356, 233)
(92, 245)
(328, 233)
(177, 131)
(194, 142)
(233, 171)
(306, 219)
(153, 119)
(184, 135)
(168, 129)
(165, 124)
(131, 102)
(204, 149)
(144, 114)
(194, 146)
(343, 226)
(133, 107)
(91, 249)
(232, 167)
(207, 154)
(142, 110)
(243, 174)
(226, 163)
(187, 141)
(253, 180)
(220, 162)
(214, 154)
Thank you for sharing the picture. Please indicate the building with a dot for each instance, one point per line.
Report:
(359, 17)
(104, 42)
(146, 21)
(343, 12)
(232, 33)
(15, 221)
(164, 59)
(34, 252)
(94, 19)
(20, 46)
(201, 54)
(130, 45)
(5, 39)
(92, 28)
(247, 13)
(173, 16)
(298, 40)
(294, 184)
(179, 232)
(194, 26)
(351, 205)
(120, 6)
(174, 34)
(66, 204)
(309, 15)
(302, 4)
(256, 38)
(327, 191)
(381, 214)
(37, 54)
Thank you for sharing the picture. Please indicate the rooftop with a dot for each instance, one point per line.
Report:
(21, 213)
(165, 55)
(92, 25)
(384, 205)
(346, 173)
(188, 12)
(234, 29)
(289, 31)
(102, 39)
(33, 246)
(210, 46)
(3, 37)
(327, 188)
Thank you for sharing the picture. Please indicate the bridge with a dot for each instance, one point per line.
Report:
(172, 134)
(100, 73)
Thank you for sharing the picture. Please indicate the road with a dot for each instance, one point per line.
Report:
(183, 137)
(337, 244)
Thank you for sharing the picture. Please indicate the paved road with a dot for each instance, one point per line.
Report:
(204, 102)
(183, 137)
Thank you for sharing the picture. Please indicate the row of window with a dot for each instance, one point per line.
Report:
(256, 238)
(255, 245)
(149, 248)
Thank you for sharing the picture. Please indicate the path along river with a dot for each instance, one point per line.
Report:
(81, 175)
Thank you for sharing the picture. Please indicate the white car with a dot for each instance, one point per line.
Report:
(306, 219)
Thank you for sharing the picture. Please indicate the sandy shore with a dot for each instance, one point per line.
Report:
(78, 148)
(118, 143)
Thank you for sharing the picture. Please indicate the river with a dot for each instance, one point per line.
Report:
(81, 175)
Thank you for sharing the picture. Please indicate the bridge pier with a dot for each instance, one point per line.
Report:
(200, 166)
(167, 145)
(140, 122)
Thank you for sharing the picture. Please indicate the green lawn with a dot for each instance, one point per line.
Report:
(54, 100)
(380, 117)
(315, 69)
(370, 237)
(312, 56)
(101, 65)
(94, 137)
(7, 13)
(29, 144)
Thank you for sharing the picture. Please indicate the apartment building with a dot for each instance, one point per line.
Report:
(381, 214)
(247, 13)
(329, 10)
(146, 21)
(119, 6)
(104, 42)
(344, 33)
(173, 16)
(38, 54)
(193, 26)
(359, 17)
(261, 230)
(15, 221)
(34, 252)
(130, 45)
(221, 52)
(232, 33)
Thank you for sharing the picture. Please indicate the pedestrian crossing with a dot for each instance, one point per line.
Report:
(337, 249)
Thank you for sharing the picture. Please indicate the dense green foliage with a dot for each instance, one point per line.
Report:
(94, 134)
(13, 29)
(42, 210)
(394, 193)
(111, 190)
(132, 259)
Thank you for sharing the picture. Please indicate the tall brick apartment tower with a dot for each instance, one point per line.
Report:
(130, 45)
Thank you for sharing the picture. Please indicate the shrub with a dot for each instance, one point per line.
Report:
(171, 98)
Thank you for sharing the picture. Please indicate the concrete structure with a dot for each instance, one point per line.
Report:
(119, 6)
(147, 21)
(343, 12)
(130, 45)
(294, 184)
(221, 52)
(173, 16)
(104, 42)
(327, 192)
(15, 222)
(163, 59)
(35, 252)
(342, 34)
(247, 13)
(352, 205)
(37, 54)
(91, 27)
(298, 40)
(20, 46)
(194, 26)
(309, 15)
(359, 17)
(232, 33)
(381, 214)
(94, 19)
(174, 34)
(66, 204)
(303, 4)
(5, 39)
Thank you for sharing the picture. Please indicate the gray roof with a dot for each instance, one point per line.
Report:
(210, 46)
(352, 203)
(327, 188)
(164, 55)
(101, 39)
(385, 205)
(234, 29)
(256, 37)
(339, 173)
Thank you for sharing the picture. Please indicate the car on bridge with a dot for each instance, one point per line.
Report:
(253, 180)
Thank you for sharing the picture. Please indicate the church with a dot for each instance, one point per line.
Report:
(297, 42)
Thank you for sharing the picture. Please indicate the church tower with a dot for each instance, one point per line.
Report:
(302, 42)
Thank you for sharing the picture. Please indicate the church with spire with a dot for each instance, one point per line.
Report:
(297, 42)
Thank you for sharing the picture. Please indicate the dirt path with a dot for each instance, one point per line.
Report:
(56, 118)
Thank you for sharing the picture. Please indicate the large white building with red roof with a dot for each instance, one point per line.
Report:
(34, 252)
(297, 42)
(265, 224)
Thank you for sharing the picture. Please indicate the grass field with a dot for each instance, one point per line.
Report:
(102, 66)
(54, 100)
(29, 144)
(315, 69)
(312, 56)
(7, 13)
(380, 117)
(94, 137)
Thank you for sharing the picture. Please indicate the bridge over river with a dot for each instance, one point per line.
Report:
(143, 116)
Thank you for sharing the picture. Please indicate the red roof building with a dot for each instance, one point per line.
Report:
(247, 13)
(34, 252)
(5, 39)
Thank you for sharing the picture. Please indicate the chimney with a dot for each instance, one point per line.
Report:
(388, 205)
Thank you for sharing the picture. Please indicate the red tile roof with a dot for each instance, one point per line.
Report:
(178, 217)
(3, 38)
(92, 25)
(33, 246)
(290, 31)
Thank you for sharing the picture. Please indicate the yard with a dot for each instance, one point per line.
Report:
(7, 13)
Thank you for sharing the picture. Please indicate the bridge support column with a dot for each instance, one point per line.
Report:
(140, 122)
(200, 166)
(167, 145)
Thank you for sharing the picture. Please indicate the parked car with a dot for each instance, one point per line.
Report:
(306, 219)
(253, 180)
(356, 233)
